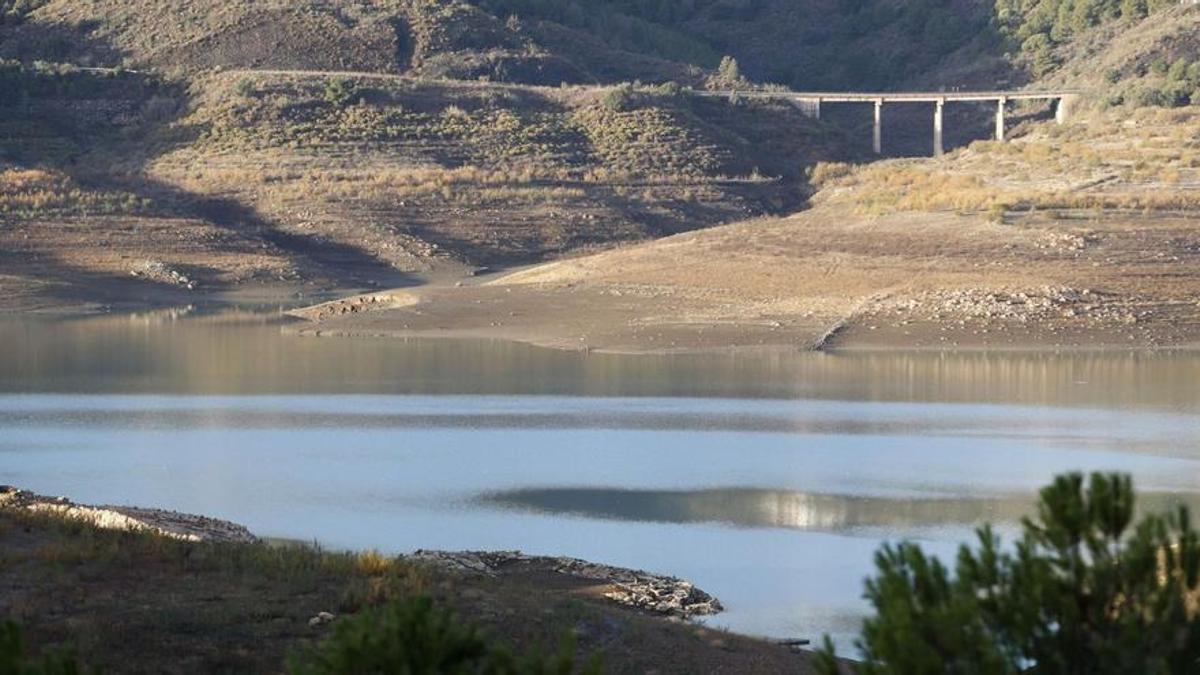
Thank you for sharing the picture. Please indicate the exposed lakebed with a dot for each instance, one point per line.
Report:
(766, 479)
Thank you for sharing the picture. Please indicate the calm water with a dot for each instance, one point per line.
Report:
(767, 480)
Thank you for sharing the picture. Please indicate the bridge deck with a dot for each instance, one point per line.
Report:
(896, 96)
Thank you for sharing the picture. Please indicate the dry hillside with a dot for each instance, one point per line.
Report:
(159, 152)
(364, 180)
(1068, 237)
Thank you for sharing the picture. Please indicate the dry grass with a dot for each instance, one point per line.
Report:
(491, 173)
(138, 603)
(1142, 163)
(34, 193)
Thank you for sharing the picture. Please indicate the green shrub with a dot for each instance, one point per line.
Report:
(1178, 71)
(15, 11)
(14, 662)
(1171, 95)
(1039, 25)
(1082, 591)
(244, 87)
(339, 92)
(1175, 95)
(728, 76)
(415, 637)
(618, 98)
(670, 89)
(1041, 50)
(728, 70)
(1193, 73)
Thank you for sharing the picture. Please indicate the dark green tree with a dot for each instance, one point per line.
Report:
(14, 661)
(1083, 591)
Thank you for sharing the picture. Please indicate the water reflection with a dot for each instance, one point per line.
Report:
(768, 479)
(184, 351)
(760, 508)
(786, 509)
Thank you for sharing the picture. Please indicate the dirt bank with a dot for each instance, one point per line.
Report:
(830, 278)
(138, 601)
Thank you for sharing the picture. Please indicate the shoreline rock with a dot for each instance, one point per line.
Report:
(172, 524)
(656, 593)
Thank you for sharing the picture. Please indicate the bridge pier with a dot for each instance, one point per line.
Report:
(1000, 103)
(877, 131)
(810, 107)
(1062, 108)
(810, 103)
(938, 148)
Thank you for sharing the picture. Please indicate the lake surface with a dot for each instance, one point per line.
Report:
(768, 480)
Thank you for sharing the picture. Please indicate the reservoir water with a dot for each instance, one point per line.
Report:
(767, 479)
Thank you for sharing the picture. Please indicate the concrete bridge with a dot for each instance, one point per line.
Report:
(810, 103)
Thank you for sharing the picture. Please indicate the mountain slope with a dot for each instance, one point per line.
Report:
(381, 141)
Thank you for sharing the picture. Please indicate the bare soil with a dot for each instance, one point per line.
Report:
(828, 278)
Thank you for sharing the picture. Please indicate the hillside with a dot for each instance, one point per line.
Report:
(161, 152)
(1069, 237)
(527, 41)
(295, 176)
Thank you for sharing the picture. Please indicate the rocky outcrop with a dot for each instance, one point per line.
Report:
(633, 588)
(171, 524)
(354, 305)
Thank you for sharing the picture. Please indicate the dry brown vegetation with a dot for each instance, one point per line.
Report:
(364, 179)
(485, 174)
(29, 193)
(1145, 161)
(1079, 236)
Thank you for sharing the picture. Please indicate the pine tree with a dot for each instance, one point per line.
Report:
(1083, 591)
